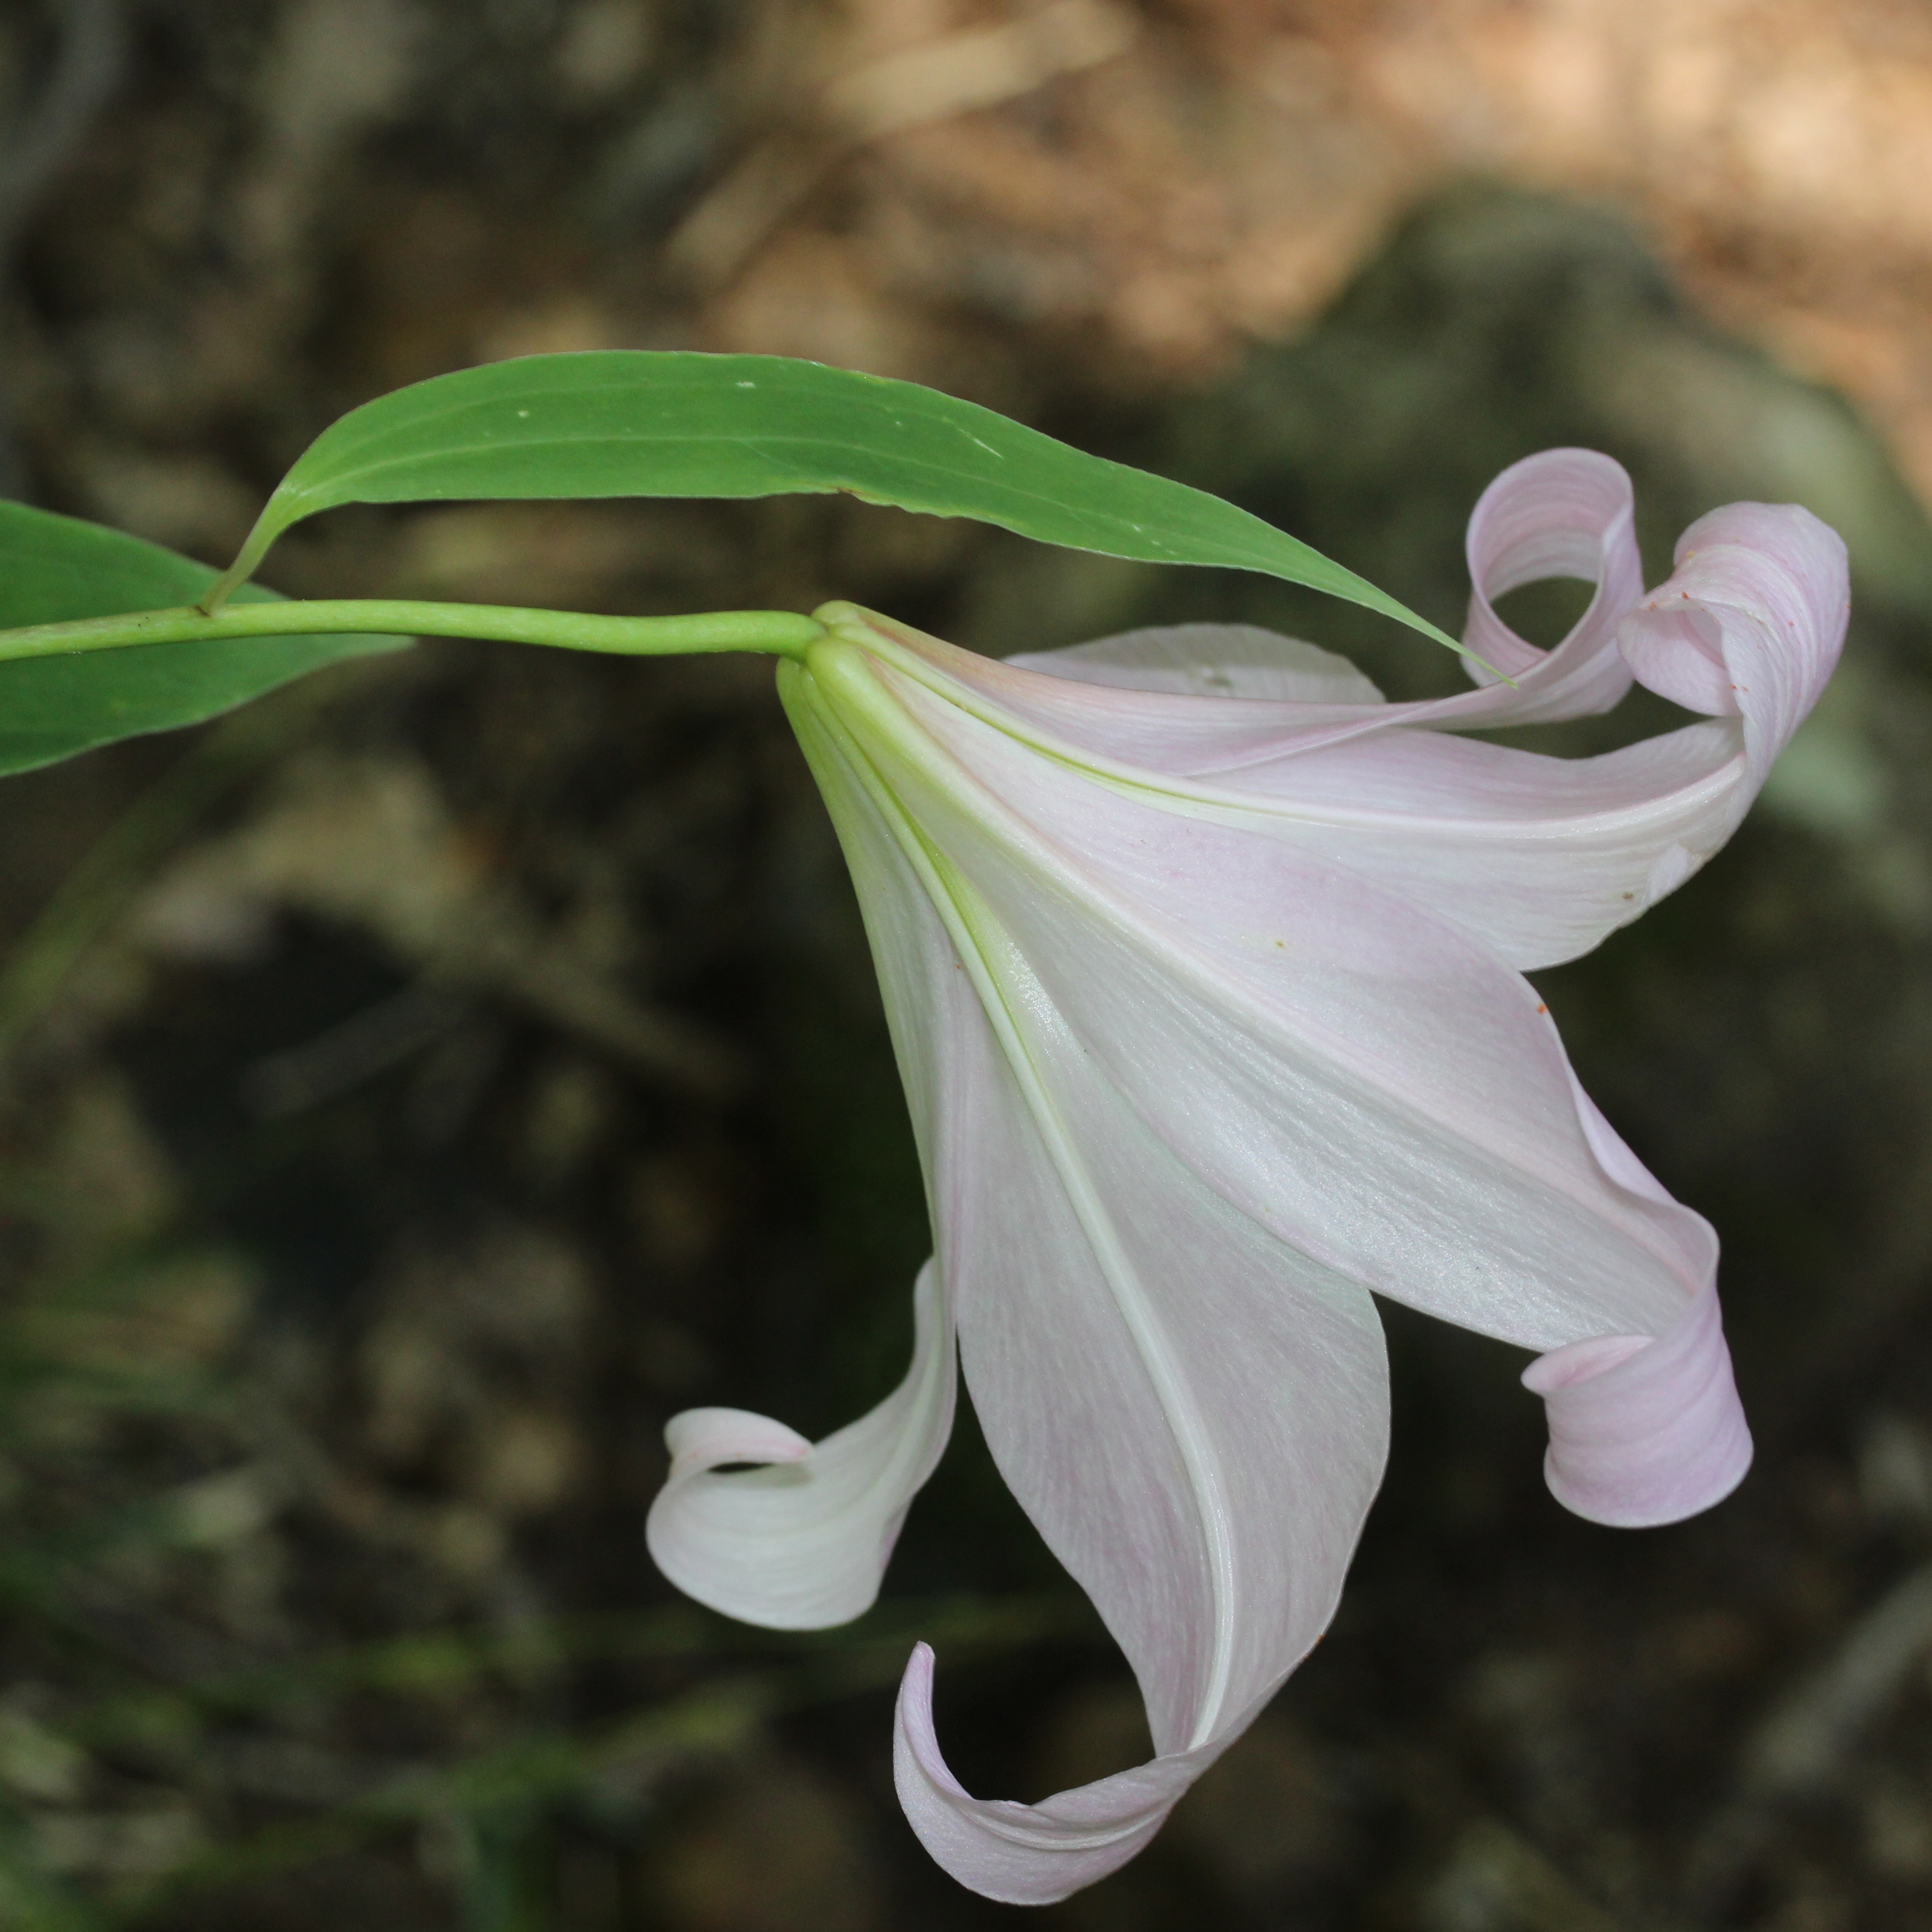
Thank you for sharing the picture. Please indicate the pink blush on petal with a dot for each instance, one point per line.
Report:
(1641, 1432)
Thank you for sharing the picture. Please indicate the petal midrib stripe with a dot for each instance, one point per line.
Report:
(950, 895)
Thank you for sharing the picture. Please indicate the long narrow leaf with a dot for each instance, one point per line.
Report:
(645, 423)
(54, 570)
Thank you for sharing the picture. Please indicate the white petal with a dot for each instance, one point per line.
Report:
(803, 1541)
(1566, 512)
(1209, 660)
(1751, 621)
(1645, 1430)
(1029, 1854)
(1366, 1080)
(1539, 857)
(803, 1544)
(1192, 1413)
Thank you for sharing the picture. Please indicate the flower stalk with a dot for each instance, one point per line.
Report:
(779, 633)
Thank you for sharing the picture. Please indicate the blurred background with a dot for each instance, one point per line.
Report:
(416, 1088)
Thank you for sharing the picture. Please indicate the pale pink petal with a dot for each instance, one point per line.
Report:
(1192, 1413)
(1368, 1081)
(1376, 1090)
(801, 1542)
(1564, 513)
(1750, 622)
(1538, 857)
(1239, 661)
(1645, 1431)
(804, 1543)
(1028, 1854)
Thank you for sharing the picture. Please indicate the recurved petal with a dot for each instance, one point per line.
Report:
(1539, 857)
(1364, 1078)
(1751, 623)
(803, 1541)
(1026, 1854)
(1378, 1093)
(803, 1544)
(1562, 513)
(1192, 1413)
(1645, 1430)
(1252, 698)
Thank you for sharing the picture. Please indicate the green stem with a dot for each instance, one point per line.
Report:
(784, 632)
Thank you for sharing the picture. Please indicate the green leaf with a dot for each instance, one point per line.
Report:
(645, 423)
(55, 569)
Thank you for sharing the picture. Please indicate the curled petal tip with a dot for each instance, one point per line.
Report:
(800, 1541)
(1644, 1431)
(914, 1734)
(1024, 1854)
(1751, 622)
(702, 1438)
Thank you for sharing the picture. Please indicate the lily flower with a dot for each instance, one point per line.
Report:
(1203, 966)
